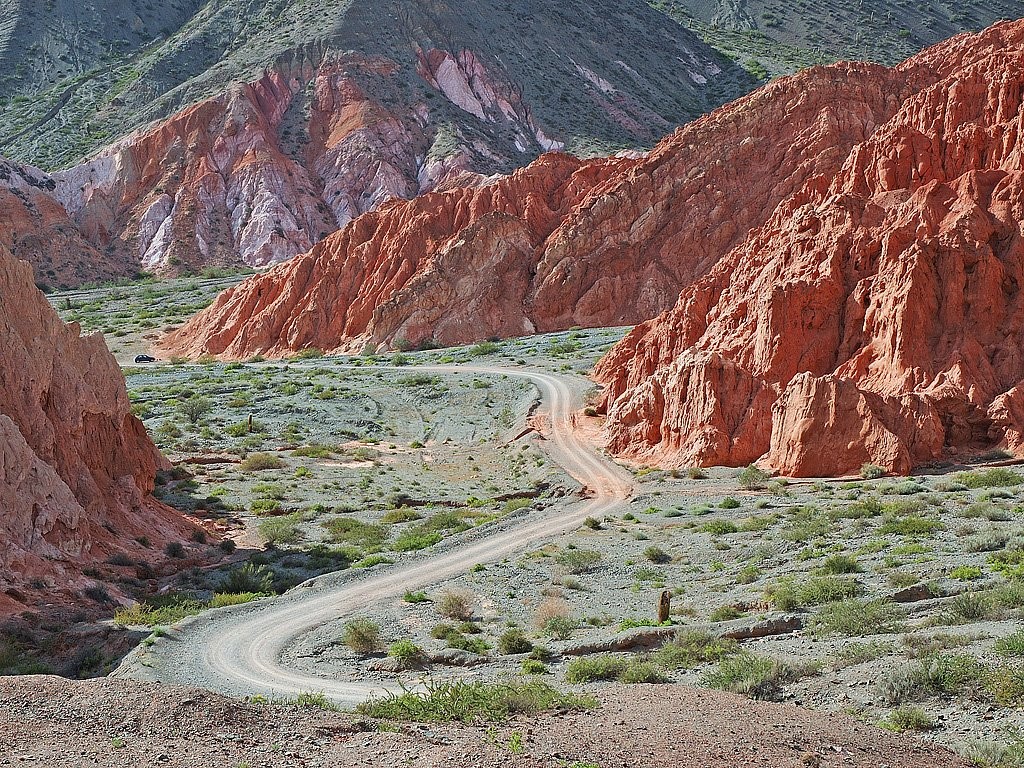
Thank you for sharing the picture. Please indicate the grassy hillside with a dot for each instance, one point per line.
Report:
(773, 37)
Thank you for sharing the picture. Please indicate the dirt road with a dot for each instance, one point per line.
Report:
(237, 651)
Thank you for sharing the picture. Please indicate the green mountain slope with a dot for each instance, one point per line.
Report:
(76, 81)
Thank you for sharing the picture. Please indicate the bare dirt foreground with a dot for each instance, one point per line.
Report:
(57, 723)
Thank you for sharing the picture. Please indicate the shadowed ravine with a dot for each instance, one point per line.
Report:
(238, 651)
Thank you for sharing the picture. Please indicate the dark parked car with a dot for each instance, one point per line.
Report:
(145, 359)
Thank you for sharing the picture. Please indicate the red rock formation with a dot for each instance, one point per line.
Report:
(602, 242)
(76, 467)
(36, 228)
(876, 315)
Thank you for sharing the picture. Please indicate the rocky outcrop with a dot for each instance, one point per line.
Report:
(77, 467)
(874, 316)
(561, 243)
(36, 228)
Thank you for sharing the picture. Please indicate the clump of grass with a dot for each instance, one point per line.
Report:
(910, 525)
(578, 561)
(871, 471)
(456, 605)
(362, 635)
(996, 477)
(259, 462)
(788, 595)
(692, 647)
(514, 641)
(281, 530)
(657, 555)
(751, 478)
(859, 617)
(1012, 645)
(807, 523)
(718, 527)
(465, 701)
(608, 667)
(940, 675)
(907, 718)
(347, 530)
(840, 564)
(759, 677)
(407, 653)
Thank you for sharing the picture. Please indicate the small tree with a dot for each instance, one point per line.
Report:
(752, 478)
(195, 408)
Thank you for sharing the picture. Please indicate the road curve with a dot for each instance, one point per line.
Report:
(238, 651)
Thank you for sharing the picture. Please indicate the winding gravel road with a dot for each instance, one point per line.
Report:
(237, 651)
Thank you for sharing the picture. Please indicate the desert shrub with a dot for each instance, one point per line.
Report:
(752, 478)
(578, 561)
(221, 600)
(1011, 645)
(691, 647)
(966, 573)
(657, 555)
(264, 507)
(907, 718)
(174, 549)
(347, 530)
(195, 407)
(533, 667)
(871, 471)
(997, 477)
(592, 523)
(787, 594)
(807, 523)
(413, 540)
(456, 605)
(362, 635)
(759, 677)
(1009, 562)
(281, 530)
(858, 617)
(972, 606)
(729, 503)
(940, 675)
(910, 525)
(259, 462)
(315, 451)
(725, 613)
(560, 627)
(748, 574)
(400, 515)
(466, 701)
(407, 652)
(415, 597)
(639, 671)
(248, 578)
(839, 564)
(1005, 682)
(513, 641)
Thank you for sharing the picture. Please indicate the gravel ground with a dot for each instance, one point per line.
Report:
(52, 722)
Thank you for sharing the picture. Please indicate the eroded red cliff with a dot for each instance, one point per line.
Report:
(76, 467)
(561, 243)
(875, 316)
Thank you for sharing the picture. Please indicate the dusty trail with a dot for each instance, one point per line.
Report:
(238, 651)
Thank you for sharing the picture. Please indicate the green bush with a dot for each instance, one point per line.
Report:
(362, 635)
(281, 530)
(996, 477)
(413, 540)
(465, 701)
(407, 652)
(730, 503)
(1012, 645)
(400, 515)
(691, 647)
(578, 561)
(456, 605)
(513, 641)
(759, 677)
(871, 471)
(907, 718)
(787, 595)
(752, 478)
(248, 578)
(839, 564)
(347, 530)
(718, 527)
(859, 617)
(657, 555)
(259, 462)
(910, 525)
